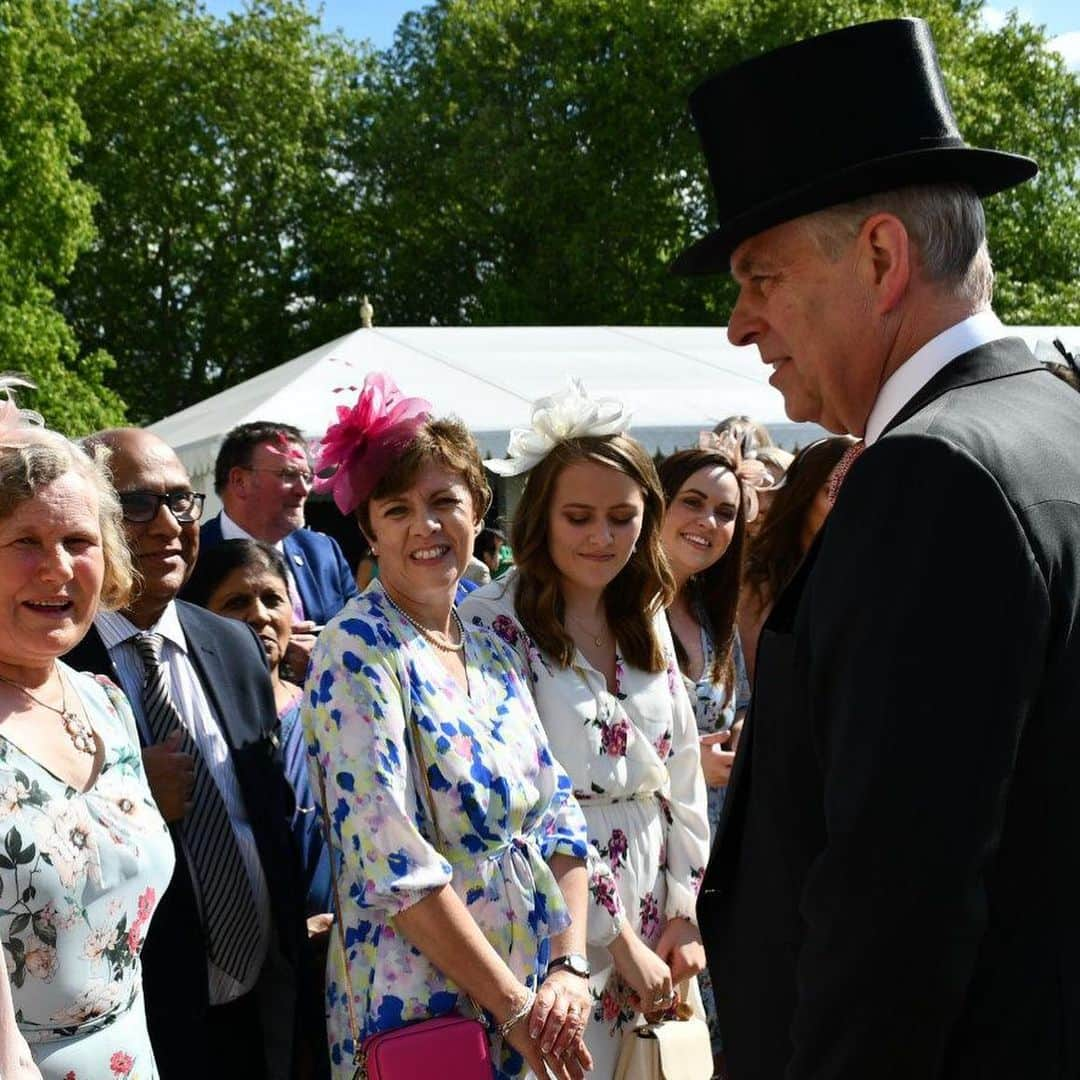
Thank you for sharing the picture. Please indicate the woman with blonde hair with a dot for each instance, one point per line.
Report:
(87, 855)
(584, 612)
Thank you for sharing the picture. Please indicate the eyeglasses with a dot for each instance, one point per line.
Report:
(142, 506)
(287, 475)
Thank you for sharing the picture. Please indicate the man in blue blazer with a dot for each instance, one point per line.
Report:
(263, 478)
(222, 978)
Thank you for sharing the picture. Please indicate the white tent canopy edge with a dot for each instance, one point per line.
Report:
(670, 377)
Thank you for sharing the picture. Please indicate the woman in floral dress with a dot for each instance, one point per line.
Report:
(710, 494)
(84, 854)
(457, 844)
(584, 614)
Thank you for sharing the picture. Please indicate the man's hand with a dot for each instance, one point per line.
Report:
(171, 776)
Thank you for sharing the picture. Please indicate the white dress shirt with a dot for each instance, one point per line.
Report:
(198, 718)
(911, 376)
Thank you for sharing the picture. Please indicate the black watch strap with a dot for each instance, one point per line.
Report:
(575, 963)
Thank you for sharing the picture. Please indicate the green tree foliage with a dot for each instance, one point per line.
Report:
(532, 161)
(212, 149)
(45, 219)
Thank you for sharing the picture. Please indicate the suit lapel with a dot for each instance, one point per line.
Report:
(91, 655)
(302, 572)
(208, 666)
(995, 360)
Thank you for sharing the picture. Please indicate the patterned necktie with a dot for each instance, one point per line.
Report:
(843, 466)
(228, 905)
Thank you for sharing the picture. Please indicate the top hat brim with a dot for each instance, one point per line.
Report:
(985, 171)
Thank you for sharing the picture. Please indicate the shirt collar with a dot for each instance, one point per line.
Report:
(115, 628)
(231, 531)
(911, 376)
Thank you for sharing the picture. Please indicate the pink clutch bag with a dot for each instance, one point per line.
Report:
(457, 1044)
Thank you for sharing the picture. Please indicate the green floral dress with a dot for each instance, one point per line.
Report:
(80, 876)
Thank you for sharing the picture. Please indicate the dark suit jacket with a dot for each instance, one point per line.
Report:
(232, 668)
(894, 888)
(323, 577)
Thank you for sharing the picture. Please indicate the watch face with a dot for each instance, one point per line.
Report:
(575, 963)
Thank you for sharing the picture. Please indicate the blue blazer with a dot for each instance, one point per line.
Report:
(322, 575)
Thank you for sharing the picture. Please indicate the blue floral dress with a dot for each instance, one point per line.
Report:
(503, 807)
(632, 753)
(80, 876)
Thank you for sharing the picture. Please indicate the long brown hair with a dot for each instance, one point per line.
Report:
(714, 594)
(639, 590)
(774, 553)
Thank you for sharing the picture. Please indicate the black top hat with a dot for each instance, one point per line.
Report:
(827, 120)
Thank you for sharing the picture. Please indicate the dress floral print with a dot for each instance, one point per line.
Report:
(80, 876)
(631, 751)
(715, 709)
(503, 806)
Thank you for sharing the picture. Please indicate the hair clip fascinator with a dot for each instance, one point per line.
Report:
(569, 414)
(17, 426)
(358, 449)
(752, 474)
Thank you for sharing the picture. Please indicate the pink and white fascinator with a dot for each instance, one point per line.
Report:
(569, 414)
(752, 474)
(365, 440)
(18, 427)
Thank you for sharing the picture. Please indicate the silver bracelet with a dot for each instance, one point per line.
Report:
(519, 1013)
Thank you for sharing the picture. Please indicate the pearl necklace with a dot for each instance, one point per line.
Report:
(435, 637)
(75, 727)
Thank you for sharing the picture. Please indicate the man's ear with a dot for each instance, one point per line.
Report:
(238, 479)
(885, 260)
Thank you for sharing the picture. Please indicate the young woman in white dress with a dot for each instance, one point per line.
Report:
(584, 611)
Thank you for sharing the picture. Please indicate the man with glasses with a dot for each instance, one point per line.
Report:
(220, 960)
(263, 478)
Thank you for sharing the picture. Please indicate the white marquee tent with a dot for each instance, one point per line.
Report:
(671, 377)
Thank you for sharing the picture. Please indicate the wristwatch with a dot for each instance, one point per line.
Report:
(575, 963)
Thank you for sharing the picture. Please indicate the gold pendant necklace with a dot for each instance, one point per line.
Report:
(598, 638)
(75, 727)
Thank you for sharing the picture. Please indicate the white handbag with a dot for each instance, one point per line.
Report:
(678, 1049)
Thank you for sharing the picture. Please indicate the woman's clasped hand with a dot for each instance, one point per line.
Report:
(550, 1032)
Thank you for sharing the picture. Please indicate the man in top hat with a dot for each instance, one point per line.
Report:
(893, 890)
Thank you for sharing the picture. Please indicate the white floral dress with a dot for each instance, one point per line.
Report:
(503, 805)
(632, 754)
(80, 876)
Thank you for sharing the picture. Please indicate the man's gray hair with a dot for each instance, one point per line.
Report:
(947, 229)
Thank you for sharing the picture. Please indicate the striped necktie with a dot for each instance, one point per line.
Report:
(228, 905)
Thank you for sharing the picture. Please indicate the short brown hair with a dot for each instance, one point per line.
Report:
(449, 443)
(44, 457)
(641, 588)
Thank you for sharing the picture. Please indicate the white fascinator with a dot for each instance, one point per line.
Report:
(569, 414)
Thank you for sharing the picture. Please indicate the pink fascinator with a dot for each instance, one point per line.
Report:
(18, 427)
(365, 440)
(751, 473)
